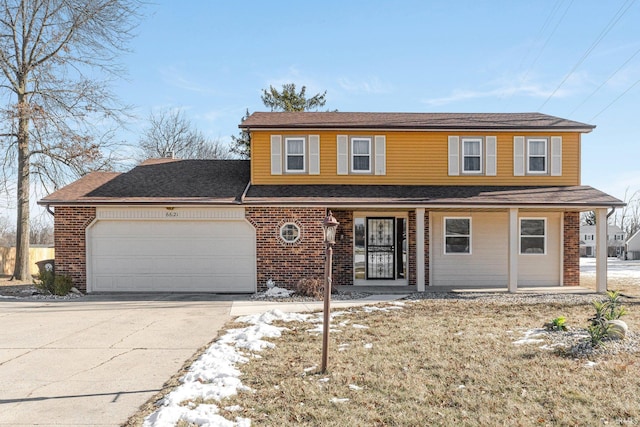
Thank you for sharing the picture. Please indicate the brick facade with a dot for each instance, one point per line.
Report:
(411, 242)
(70, 223)
(287, 263)
(571, 249)
(343, 249)
(426, 248)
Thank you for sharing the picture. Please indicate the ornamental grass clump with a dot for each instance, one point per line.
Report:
(605, 324)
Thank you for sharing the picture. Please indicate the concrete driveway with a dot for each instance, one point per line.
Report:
(95, 360)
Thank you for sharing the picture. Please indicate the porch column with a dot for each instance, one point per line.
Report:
(601, 250)
(420, 282)
(513, 250)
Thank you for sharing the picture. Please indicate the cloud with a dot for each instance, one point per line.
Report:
(372, 85)
(175, 77)
(510, 87)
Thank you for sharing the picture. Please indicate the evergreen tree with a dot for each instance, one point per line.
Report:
(290, 100)
(241, 144)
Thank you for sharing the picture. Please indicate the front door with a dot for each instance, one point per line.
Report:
(380, 248)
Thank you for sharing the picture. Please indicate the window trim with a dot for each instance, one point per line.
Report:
(478, 139)
(546, 156)
(285, 225)
(352, 154)
(544, 235)
(444, 235)
(287, 139)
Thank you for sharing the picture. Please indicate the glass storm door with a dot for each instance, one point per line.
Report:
(381, 248)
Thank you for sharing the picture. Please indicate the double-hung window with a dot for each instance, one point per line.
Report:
(471, 155)
(295, 153)
(457, 235)
(361, 155)
(533, 235)
(536, 156)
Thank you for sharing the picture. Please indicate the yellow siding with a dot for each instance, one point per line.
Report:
(414, 158)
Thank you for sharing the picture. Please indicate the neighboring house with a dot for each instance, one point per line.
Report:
(615, 241)
(423, 199)
(632, 246)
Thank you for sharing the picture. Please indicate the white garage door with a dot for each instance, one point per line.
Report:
(173, 256)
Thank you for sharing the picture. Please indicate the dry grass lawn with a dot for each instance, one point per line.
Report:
(440, 362)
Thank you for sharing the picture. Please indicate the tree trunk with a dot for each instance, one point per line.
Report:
(21, 270)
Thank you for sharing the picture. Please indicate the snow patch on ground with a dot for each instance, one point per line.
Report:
(532, 336)
(215, 375)
(615, 268)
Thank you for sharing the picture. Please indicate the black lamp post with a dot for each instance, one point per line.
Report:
(330, 225)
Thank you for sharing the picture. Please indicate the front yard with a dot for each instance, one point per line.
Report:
(441, 362)
(468, 360)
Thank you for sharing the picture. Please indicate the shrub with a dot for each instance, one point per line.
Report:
(609, 309)
(51, 283)
(310, 288)
(557, 324)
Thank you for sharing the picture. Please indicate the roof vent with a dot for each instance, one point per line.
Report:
(169, 154)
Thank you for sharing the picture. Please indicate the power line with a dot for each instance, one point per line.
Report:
(615, 100)
(614, 20)
(605, 82)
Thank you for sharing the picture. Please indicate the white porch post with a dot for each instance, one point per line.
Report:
(601, 250)
(420, 250)
(513, 250)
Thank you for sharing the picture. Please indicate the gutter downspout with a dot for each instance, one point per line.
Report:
(48, 207)
(244, 193)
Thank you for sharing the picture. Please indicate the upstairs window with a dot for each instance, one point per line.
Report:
(361, 155)
(471, 155)
(532, 236)
(457, 235)
(295, 152)
(537, 156)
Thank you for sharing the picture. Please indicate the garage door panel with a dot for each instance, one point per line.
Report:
(206, 256)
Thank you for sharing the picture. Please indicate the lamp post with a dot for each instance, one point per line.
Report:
(329, 225)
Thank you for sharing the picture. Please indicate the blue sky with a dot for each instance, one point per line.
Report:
(212, 58)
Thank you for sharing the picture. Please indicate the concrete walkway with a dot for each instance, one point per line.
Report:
(94, 361)
(243, 308)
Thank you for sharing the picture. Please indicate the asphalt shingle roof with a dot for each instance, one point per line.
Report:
(161, 180)
(429, 195)
(415, 121)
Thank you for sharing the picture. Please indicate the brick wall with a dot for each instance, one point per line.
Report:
(287, 263)
(411, 262)
(571, 249)
(69, 240)
(343, 249)
(426, 248)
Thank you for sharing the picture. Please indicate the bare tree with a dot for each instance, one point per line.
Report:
(57, 58)
(588, 218)
(628, 217)
(41, 232)
(7, 232)
(171, 133)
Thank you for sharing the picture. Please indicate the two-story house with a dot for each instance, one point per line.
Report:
(423, 199)
(615, 241)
